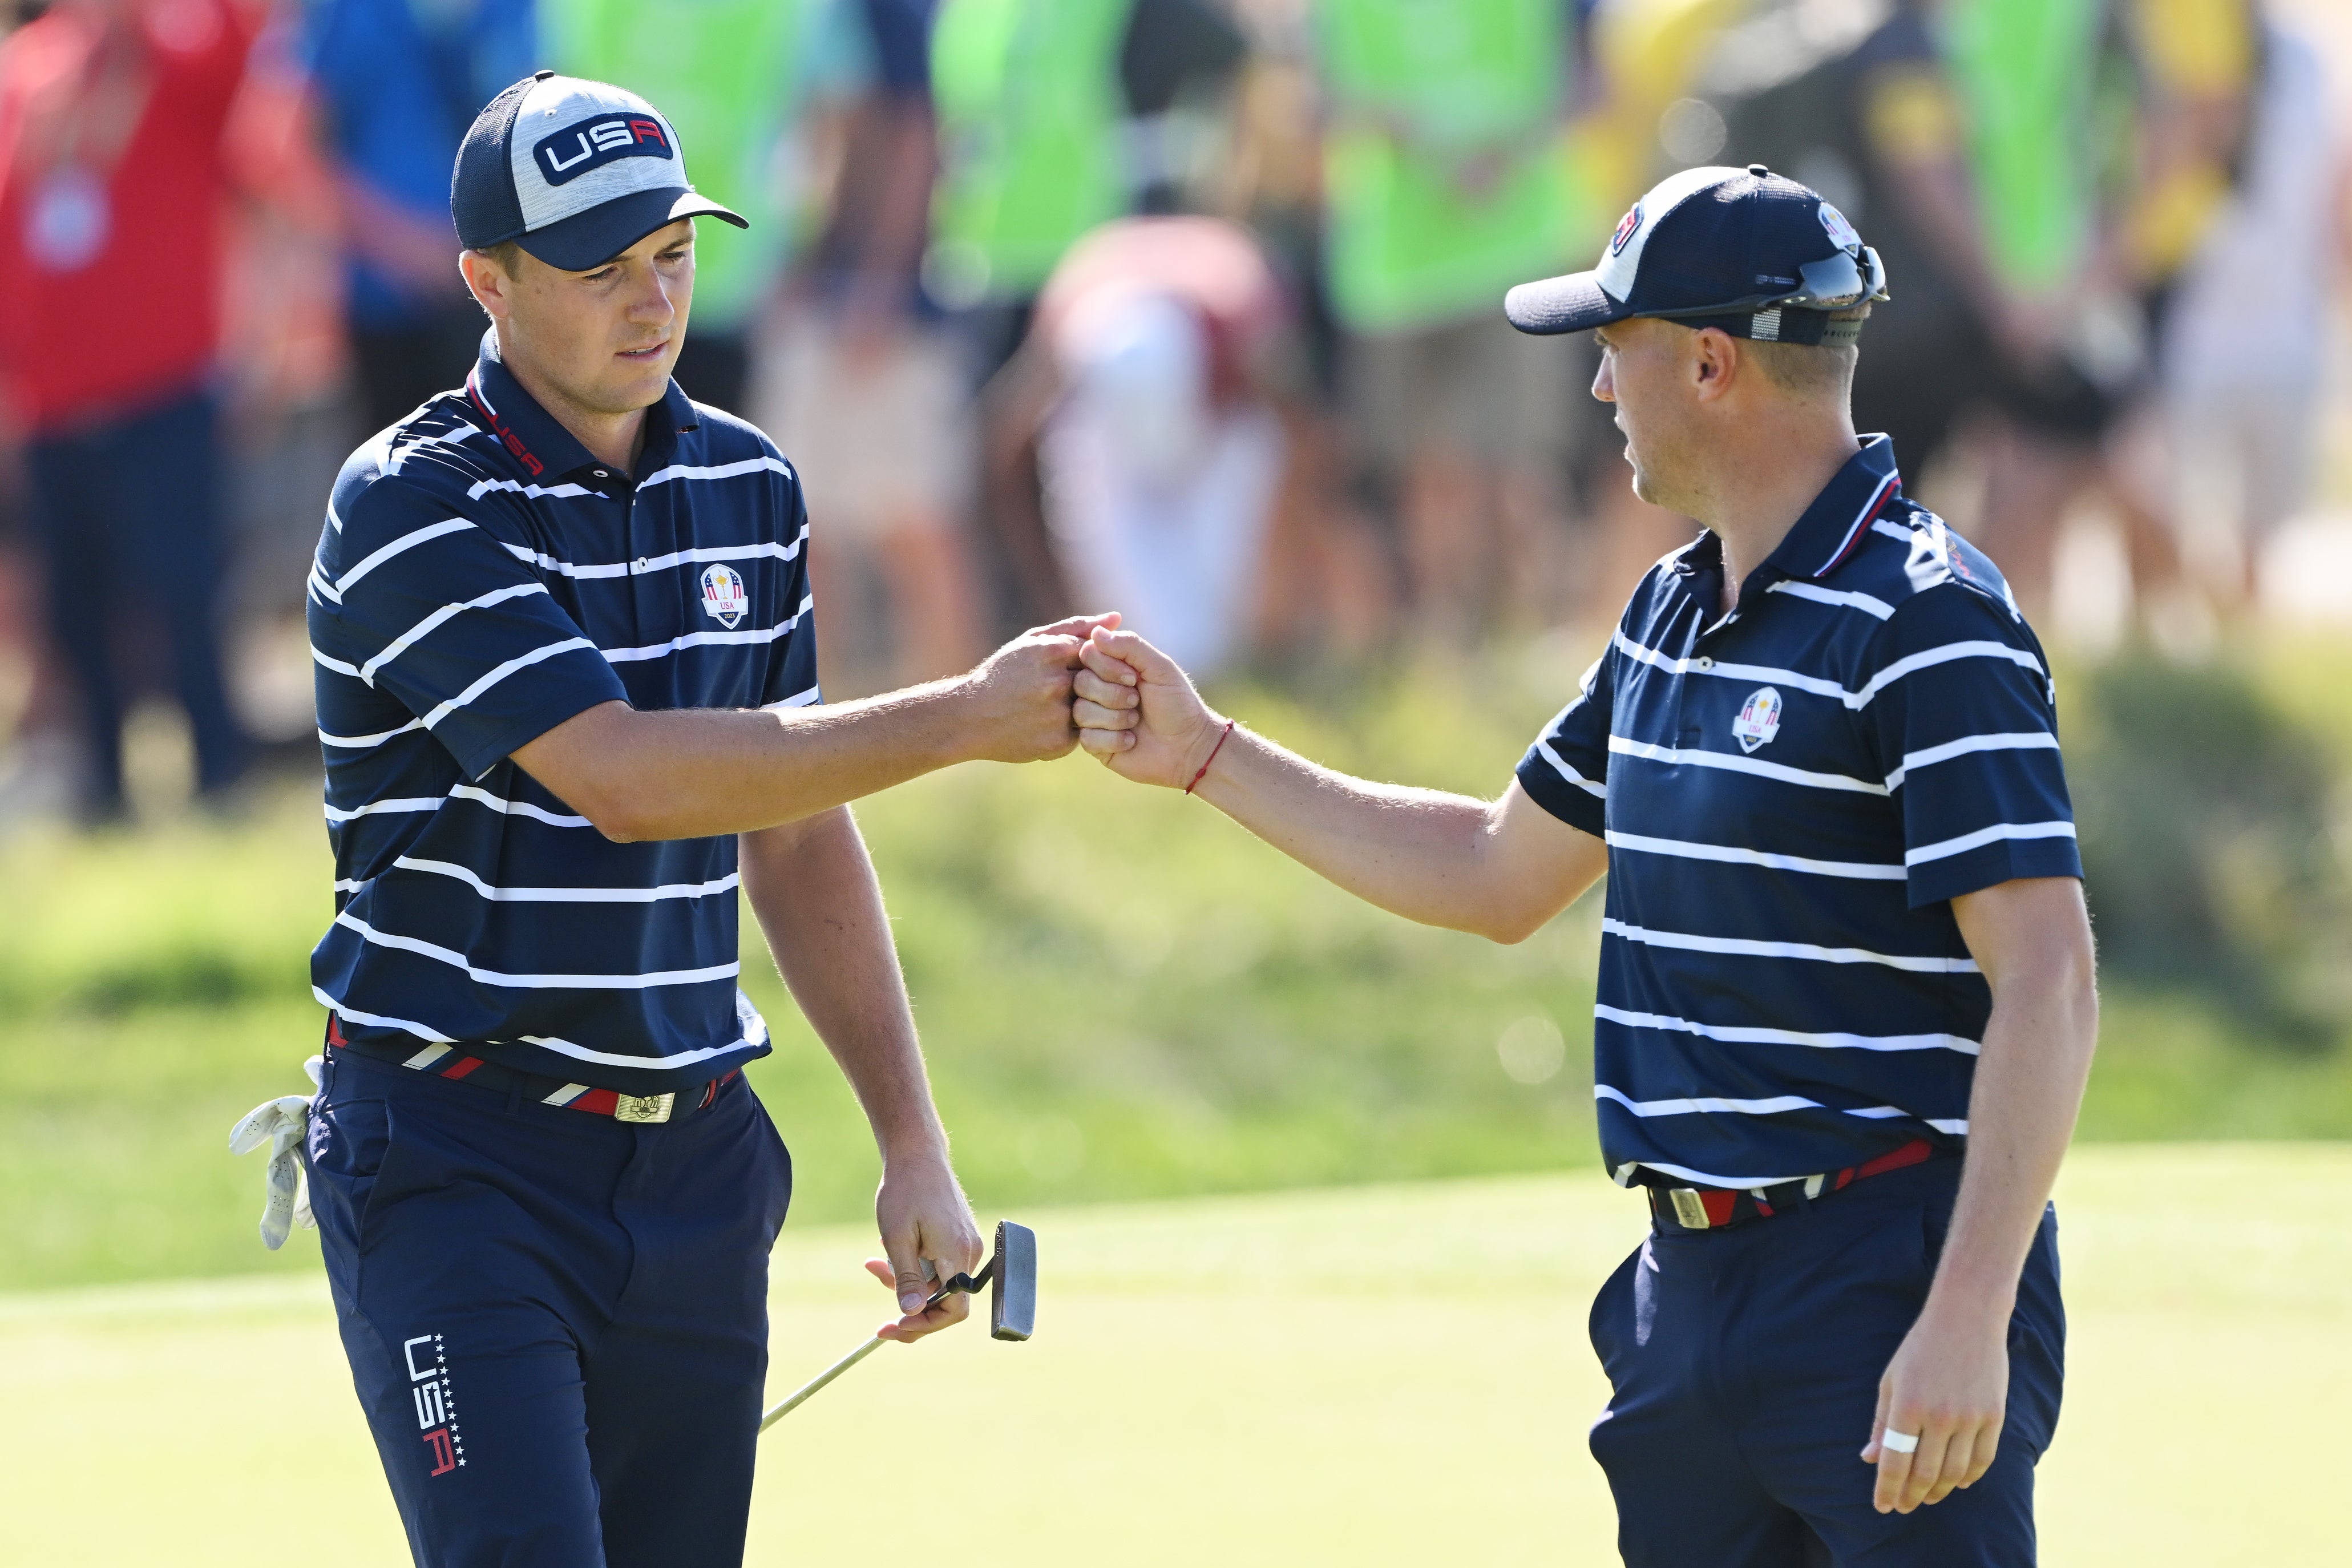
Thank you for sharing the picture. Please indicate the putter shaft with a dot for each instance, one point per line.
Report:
(819, 1381)
(967, 1283)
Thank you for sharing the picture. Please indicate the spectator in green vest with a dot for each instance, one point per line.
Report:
(1054, 116)
(731, 71)
(1446, 182)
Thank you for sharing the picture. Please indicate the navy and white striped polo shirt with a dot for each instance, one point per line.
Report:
(1791, 795)
(480, 579)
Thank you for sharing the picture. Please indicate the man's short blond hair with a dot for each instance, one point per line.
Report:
(1814, 372)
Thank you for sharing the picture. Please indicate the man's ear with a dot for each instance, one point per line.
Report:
(1714, 363)
(487, 282)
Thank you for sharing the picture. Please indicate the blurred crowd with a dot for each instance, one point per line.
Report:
(1188, 307)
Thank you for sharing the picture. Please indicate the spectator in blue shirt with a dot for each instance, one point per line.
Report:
(398, 82)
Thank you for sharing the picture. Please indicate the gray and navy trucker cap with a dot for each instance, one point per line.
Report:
(575, 172)
(1747, 251)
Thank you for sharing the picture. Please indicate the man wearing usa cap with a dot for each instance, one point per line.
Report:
(568, 695)
(1845, 1001)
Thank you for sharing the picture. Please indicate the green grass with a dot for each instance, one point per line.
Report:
(1123, 996)
(1381, 1375)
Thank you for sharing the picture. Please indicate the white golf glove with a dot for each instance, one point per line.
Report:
(282, 1124)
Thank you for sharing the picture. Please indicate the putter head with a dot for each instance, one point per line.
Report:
(1012, 1305)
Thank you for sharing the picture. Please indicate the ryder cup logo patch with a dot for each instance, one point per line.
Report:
(591, 143)
(724, 598)
(1759, 720)
(1843, 234)
(1627, 227)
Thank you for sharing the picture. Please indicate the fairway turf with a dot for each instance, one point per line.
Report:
(1373, 1376)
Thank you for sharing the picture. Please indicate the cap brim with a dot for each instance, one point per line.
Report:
(1573, 303)
(587, 240)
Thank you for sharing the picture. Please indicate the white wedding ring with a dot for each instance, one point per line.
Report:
(1895, 1442)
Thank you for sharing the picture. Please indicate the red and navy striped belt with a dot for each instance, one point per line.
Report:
(453, 1062)
(1714, 1208)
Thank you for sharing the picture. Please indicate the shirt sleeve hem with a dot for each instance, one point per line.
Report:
(1991, 865)
(493, 747)
(1563, 799)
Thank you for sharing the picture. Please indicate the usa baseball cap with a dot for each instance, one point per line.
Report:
(1747, 251)
(574, 171)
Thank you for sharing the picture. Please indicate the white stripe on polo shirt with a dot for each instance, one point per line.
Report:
(770, 551)
(1737, 763)
(1997, 833)
(379, 1020)
(457, 959)
(441, 617)
(400, 546)
(710, 639)
(1944, 655)
(376, 807)
(520, 661)
(1867, 871)
(1744, 1035)
(362, 743)
(797, 699)
(1648, 1108)
(624, 1059)
(1816, 685)
(529, 493)
(1701, 665)
(499, 804)
(2027, 741)
(763, 465)
(1710, 1179)
(726, 884)
(1876, 608)
(1749, 947)
(1560, 765)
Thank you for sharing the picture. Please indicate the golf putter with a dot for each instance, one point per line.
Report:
(1011, 1276)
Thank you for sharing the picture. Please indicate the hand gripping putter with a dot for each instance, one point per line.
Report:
(1012, 1269)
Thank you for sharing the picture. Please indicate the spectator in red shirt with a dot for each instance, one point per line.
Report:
(114, 172)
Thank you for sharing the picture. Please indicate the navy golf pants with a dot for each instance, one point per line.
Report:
(557, 1322)
(1744, 1365)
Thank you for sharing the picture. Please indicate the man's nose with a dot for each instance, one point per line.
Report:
(1604, 382)
(653, 302)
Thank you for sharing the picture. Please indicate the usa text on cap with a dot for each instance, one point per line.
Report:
(574, 171)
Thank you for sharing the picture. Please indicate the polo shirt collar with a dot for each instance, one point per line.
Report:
(539, 441)
(1830, 528)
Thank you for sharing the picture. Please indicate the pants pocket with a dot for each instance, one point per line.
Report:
(345, 1152)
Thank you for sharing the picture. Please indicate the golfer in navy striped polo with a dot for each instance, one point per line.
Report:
(568, 694)
(1845, 1003)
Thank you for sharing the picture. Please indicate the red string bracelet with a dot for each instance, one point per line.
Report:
(1213, 757)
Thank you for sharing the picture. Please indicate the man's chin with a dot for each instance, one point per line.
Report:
(641, 387)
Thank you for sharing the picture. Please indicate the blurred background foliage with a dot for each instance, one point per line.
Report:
(1123, 995)
(2215, 826)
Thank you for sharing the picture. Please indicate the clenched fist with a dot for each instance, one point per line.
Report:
(1017, 703)
(1138, 714)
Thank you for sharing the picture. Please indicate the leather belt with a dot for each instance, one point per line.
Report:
(1677, 1208)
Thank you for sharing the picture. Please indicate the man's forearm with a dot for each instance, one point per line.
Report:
(1419, 853)
(820, 906)
(2035, 1060)
(695, 773)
